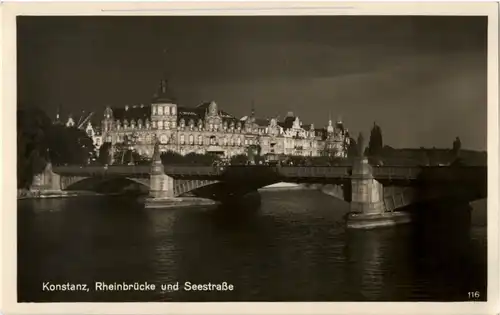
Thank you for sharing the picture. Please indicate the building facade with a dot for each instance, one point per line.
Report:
(208, 129)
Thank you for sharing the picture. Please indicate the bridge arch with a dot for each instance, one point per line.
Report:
(183, 186)
(95, 183)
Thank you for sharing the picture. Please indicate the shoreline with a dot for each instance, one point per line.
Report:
(63, 194)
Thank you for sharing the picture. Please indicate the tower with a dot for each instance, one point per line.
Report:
(164, 107)
(250, 122)
(329, 128)
(163, 104)
(213, 109)
(107, 123)
(252, 111)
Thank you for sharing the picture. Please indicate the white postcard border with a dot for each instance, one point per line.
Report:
(8, 295)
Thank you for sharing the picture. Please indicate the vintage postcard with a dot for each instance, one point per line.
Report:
(263, 157)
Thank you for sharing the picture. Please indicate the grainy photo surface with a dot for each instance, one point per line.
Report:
(251, 158)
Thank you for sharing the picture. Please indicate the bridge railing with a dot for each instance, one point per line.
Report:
(383, 172)
(315, 171)
(142, 170)
(131, 169)
(185, 170)
(396, 172)
(471, 174)
(101, 170)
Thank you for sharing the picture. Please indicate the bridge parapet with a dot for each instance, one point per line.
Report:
(467, 174)
(188, 170)
(385, 172)
(433, 174)
(118, 170)
(315, 171)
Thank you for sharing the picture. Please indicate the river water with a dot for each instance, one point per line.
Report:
(294, 247)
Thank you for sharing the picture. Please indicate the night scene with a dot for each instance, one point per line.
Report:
(251, 158)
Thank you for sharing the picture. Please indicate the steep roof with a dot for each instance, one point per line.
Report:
(262, 122)
(188, 113)
(199, 112)
(132, 112)
(203, 107)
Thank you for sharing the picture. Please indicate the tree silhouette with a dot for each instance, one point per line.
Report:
(171, 157)
(32, 125)
(200, 159)
(375, 145)
(69, 145)
(253, 152)
(40, 141)
(240, 159)
(457, 145)
(352, 149)
(104, 153)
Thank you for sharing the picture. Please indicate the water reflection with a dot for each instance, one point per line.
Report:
(443, 249)
(283, 246)
(366, 264)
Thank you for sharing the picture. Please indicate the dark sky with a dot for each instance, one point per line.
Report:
(422, 79)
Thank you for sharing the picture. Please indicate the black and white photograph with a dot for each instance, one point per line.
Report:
(252, 158)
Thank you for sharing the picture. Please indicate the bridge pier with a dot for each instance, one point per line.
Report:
(367, 209)
(161, 191)
(161, 185)
(46, 181)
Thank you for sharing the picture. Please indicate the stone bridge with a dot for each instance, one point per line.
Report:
(57, 179)
(375, 193)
